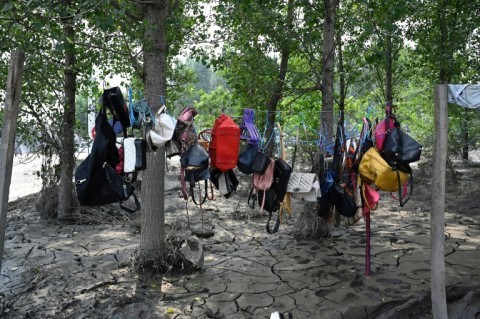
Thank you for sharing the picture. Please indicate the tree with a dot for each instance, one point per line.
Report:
(155, 57)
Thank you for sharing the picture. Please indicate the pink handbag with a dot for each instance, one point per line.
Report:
(371, 198)
(265, 181)
(381, 131)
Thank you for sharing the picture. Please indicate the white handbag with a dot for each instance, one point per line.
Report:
(129, 155)
(304, 187)
(163, 129)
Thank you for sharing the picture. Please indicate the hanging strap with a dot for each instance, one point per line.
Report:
(131, 210)
(252, 198)
(183, 183)
(192, 191)
(277, 223)
(400, 198)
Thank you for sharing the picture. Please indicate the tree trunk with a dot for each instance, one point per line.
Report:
(388, 70)
(328, 59)
(67, 152)
(153, 184)
(341, 72)
(437, 219)
(279, 84)
(465, 129)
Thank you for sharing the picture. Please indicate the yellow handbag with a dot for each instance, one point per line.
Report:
(374, 169)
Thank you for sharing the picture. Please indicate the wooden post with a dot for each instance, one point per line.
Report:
(437, 220)
(12, 100)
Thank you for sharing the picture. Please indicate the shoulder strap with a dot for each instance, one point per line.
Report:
(277, 223)
(192, 191)
(252, 198)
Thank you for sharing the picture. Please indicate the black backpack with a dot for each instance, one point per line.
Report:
(96, 181)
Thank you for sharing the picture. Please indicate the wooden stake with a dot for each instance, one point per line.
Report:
(7, 144)
(437, 220)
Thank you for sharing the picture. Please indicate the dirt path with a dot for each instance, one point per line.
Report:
(84, 271)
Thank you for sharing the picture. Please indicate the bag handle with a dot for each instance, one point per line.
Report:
(252, 198)
(192, 191)
(128, 209)
(277, 223)
(400, 198)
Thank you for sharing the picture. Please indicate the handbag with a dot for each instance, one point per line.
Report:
(260, 162)
(194, 168)
(370, 198)
(400, 149)
(374, 169)
(245, 159)
(163, 129)
(261, 182)
(304, 187)
(382, 129)
(281, 176)
(342, 197)
(135, 155)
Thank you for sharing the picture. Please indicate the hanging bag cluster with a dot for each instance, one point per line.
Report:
(96, 180)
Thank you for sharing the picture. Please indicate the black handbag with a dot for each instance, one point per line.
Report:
(195, 157)
(260, 162)
(195, 169)
(94, 181)
(281, 175)
(340, 196)
(399, 149)
(245, 159)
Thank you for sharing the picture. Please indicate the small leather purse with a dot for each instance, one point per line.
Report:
(260, 162)
(245, 159)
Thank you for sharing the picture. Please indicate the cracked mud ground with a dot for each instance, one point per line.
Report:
(83, 271)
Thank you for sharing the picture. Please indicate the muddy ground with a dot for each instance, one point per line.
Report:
(85, 270)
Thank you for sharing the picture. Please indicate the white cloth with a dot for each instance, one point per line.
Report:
(465, 95)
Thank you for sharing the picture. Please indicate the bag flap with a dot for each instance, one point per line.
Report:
(196, 156)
